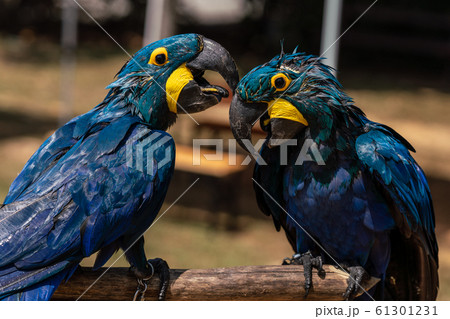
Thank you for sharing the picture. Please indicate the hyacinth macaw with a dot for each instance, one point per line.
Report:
(362, 202)
(78, 194)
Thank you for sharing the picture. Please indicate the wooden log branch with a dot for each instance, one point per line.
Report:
(234, 283)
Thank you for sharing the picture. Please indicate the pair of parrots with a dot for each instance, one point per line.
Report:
(367, 209)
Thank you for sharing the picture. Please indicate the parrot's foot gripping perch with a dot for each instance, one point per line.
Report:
(308, 262)
(357, 276)
(158, 266)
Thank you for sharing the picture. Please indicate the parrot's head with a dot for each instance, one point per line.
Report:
(287, 94)
(165, 78)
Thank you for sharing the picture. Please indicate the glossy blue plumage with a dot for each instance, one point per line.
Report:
(78, 194)
(368, 206)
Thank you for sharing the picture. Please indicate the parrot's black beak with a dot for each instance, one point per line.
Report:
(244, 115)
(242, 118)
(282, 130)
(198, 94)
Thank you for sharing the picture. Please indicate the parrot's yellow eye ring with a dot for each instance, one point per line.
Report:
(280, 81)
(159, 57)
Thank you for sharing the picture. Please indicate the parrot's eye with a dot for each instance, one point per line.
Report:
(280, 82)
(158, 57)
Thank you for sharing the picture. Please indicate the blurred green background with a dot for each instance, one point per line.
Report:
(393, 62)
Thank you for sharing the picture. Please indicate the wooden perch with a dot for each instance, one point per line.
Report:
(234, 283)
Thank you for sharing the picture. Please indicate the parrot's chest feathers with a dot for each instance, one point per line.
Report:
(325, 188)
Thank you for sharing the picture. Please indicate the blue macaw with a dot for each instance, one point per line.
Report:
(348, 191)
(83, 191)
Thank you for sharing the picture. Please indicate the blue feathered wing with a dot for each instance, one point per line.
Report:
(85, 197)
(49, 154)
(414, 256)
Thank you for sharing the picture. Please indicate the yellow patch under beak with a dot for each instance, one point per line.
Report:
(283, 109)
(175, 83)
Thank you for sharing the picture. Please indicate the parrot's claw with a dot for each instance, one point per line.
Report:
(357, 276)
(309, 262)
(156, 266)
(161, 268)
